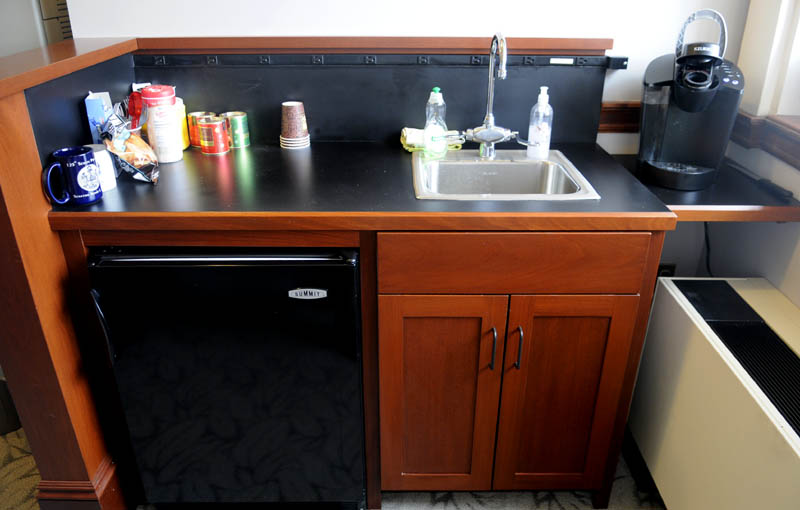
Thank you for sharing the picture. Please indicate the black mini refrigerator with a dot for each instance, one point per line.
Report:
(239, 372)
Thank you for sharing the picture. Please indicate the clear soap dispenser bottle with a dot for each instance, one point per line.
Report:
(540, 127)
(435, 134)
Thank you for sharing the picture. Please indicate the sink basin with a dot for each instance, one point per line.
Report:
(463, 175)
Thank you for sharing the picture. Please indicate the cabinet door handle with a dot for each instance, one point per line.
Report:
(494, 348)
(518, 363)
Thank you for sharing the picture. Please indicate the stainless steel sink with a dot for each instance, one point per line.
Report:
(463, 175)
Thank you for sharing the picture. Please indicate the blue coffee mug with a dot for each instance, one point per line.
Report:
(79, 175)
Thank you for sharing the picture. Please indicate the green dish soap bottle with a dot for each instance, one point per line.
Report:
(435, 134)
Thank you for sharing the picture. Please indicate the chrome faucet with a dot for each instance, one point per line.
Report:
(489, 134)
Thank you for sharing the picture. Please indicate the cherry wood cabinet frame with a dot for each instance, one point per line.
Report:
(615, 419)
(41, 346)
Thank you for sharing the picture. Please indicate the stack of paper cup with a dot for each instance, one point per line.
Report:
(294, 128)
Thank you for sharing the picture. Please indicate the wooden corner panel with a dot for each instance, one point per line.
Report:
(40, 348)
(500, 263)
(29, 68)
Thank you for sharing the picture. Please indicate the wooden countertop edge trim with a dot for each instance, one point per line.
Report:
(28, 69)
(68, 220)
(70, 63)
(741, 213)
(302, 44)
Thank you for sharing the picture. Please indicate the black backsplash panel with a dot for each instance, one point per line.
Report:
(56, 107)
(348, 101)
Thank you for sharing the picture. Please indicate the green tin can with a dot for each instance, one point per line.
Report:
(238, 132)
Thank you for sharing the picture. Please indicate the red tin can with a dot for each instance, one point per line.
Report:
(194, 127)
(213, 136)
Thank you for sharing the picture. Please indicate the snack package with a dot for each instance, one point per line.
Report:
(130, 152)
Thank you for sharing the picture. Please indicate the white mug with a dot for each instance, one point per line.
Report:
(106, 169)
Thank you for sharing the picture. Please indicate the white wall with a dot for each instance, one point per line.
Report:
(641, 29)
(20, 26)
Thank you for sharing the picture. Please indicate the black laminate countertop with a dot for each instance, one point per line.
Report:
(732, 187)
(345, 177)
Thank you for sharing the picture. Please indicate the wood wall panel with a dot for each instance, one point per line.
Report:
(620, 117)
(39, 342)
(781, 138)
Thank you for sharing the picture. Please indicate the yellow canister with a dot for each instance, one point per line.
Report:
(180, 111)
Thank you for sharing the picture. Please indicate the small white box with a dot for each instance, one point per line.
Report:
(98, 110)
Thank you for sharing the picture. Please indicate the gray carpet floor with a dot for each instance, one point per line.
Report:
(19, 477)
(624, 496)
(18, 473)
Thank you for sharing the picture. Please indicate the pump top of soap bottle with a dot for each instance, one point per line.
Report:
(543, 97)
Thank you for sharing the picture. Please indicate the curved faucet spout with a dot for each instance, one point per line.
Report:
(489, 134)
(498, 55)
(499, 50)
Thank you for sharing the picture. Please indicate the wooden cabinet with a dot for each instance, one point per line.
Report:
(547, 415)
(562, 377)
(440, 370)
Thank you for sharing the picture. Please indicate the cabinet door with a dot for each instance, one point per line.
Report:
(438, 392)
(560, 402)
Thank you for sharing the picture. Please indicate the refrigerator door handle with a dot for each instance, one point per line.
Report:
(221, 259)
(100, 315)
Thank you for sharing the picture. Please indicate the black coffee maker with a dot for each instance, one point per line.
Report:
(689, 105)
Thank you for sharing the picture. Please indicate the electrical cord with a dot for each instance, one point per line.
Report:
(708, 249)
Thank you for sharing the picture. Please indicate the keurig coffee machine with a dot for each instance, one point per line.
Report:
(690, 102)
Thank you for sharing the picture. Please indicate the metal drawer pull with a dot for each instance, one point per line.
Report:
(494, 348)
(518, 363)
